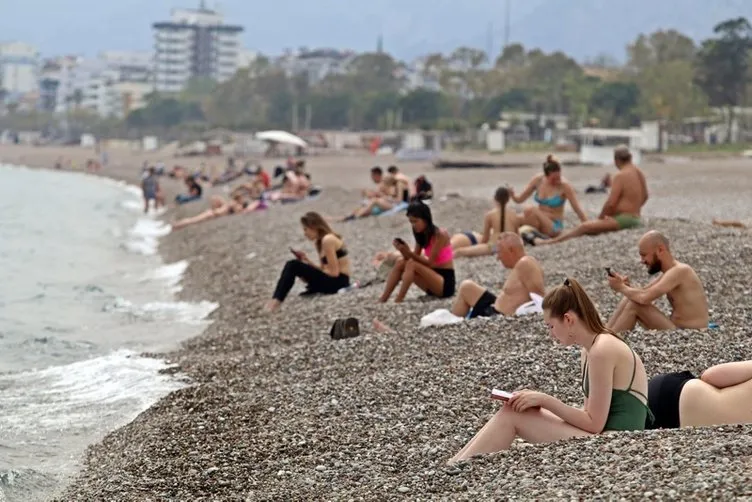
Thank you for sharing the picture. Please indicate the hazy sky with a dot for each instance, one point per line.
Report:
(583, 28)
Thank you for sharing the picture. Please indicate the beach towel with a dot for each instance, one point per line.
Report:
(402, 206)
(439, 317)
(534, 306)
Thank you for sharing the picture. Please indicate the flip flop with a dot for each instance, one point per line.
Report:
(528, 238)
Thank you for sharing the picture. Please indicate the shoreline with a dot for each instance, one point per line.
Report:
(279, 409)
(126, 183)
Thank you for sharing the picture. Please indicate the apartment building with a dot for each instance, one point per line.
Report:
(19, 69)
(194, 43)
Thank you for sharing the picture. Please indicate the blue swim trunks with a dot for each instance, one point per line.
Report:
(558, 226)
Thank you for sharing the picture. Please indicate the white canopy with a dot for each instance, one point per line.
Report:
(282, 137)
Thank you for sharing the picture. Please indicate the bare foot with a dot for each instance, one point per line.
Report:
(380, 327)
(272, 306)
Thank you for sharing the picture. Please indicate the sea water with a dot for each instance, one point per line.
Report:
(82, 293)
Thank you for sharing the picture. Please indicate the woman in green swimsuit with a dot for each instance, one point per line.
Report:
(613, 381)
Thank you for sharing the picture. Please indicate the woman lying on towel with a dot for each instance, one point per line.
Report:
(221, 207)
(613, 382)
(720, 396)
(495, 222)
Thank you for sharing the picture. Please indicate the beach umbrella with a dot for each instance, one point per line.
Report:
(281, 137)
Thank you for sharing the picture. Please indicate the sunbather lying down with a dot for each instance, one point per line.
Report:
(729, 223)
(221, 207)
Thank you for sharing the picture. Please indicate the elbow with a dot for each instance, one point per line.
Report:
(642, 299)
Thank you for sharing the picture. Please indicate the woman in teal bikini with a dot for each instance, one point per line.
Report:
(550, 192)
(613, 381)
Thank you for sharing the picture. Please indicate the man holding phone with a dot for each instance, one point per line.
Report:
(678, 281)
(526, 277)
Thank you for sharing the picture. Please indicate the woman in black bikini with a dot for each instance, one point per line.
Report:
(330, 276)
(495, 222)
(719, 396)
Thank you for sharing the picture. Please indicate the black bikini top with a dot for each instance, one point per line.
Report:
(341, 253)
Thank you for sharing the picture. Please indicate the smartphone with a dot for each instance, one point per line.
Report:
(609, 272)
(501, 395)
(400, 241)
(295, 253)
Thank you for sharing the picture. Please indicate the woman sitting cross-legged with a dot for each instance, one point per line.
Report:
(434, 272)
(720, 396)
(330, 276)
(613, 381)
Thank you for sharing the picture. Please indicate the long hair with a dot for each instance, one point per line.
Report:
(571, 297)
(315, 221)
(551, 165)
(502, 197)
(417, 209)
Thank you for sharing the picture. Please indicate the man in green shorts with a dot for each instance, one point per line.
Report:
(629, 193)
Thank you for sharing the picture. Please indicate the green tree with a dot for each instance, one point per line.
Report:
(659, 48)
(723, 66)
(615, 104)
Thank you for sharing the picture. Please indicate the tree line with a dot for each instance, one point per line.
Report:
(667, 77)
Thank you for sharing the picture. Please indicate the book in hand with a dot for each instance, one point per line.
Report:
(501, 395)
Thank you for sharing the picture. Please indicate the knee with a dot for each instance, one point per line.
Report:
(410, 266)
(465, 285)
(528, 210)
(292, 264)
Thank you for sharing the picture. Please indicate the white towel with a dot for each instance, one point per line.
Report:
(534, 306)
(439, 317)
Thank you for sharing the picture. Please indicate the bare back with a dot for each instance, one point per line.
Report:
(630, 187)
(526, 277)
(688, 300)
(493, 223)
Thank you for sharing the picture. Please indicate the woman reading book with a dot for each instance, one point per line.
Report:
(613, 381)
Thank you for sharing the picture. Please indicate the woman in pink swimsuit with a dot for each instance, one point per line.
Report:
(430, 265)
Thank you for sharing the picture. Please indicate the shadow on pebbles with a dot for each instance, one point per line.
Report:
(278, 411)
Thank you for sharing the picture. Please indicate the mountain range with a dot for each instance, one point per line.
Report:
(581, 28)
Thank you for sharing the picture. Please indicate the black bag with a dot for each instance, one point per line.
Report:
(345, 328)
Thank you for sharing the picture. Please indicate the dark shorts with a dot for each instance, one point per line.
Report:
(450, 283)
(471, 237)
(664, 392)
(484, 307)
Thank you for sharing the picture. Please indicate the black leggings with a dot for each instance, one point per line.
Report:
(318, 280)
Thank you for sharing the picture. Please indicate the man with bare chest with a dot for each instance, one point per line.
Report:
(526, 277)
(678, 281)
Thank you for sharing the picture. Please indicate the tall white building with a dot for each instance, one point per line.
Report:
(19, 68)
(194, 43)
(111, 85)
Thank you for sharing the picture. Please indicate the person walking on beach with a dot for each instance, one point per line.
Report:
(613, 381)
(328, 277)
(526, 277)
(430, 265)
(150, 189)
(678, 282)
(622, 209)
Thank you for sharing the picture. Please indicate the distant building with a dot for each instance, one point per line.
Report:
(19, 69)
(112, 85)
(194, 43)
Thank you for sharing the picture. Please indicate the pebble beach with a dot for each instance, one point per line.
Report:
(276, 410)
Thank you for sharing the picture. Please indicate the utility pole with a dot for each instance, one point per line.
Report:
(507, 16)
(489, 42)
